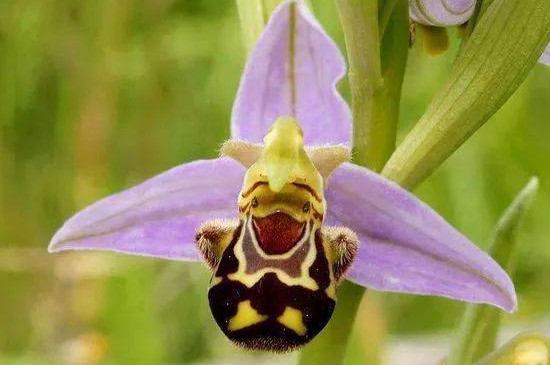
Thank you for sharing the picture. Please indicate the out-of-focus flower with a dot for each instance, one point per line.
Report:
(441, 13)
(302, 209)
(445, 13)
(86, 349)
(524, 349)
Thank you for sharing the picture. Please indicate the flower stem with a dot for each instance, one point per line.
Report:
(376, 75)
(360, 24)
(251, 16)
(329, 348)
(393, 56)
(375, 81)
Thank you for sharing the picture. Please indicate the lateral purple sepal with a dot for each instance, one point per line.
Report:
(158, 217)
(407, 247)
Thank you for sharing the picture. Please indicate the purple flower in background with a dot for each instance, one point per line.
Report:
(307, 218)
(441, 13)
(444, 13)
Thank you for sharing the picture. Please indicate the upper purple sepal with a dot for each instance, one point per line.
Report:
(293, 71)
(405, 246)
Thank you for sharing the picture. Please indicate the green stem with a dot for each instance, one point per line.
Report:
(253, 16)
(252, 19)
(329, 348)
(270, 6)
(360, 24)
(393, 53)
(376, 75)
(375, 82)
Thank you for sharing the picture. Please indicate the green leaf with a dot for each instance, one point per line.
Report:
(508, 40)
(480, 323)
(329, 347)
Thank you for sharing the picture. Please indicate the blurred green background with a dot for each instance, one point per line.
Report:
(98, 95)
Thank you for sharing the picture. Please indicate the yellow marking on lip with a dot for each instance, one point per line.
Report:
(215, 281)
(246, 316)
(253, 187)
(292, 318)
(331, 290)
(251, 279)
(309, 189)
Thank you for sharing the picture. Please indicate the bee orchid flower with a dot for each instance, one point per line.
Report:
(445, 13)
(283, 216)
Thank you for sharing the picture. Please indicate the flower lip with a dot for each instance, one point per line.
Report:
(269, 335)
(278, 232)
(276, 317)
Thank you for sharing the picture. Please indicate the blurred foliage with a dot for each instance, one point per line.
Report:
(98, 95)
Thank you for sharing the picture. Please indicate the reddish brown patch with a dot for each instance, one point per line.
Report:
(277, 233)
(309, 189)
(254, 187)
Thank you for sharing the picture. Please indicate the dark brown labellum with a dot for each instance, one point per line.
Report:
(279, 311)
